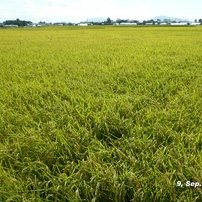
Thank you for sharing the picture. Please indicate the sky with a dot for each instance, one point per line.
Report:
(81, 10)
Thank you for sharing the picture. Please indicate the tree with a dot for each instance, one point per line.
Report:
(120, 20)
(109, 20)
(17, 22)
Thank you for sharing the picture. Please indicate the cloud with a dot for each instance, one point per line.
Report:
(57, 3)
(143, 7)
(25, 1)
(78, 10)
(72, 10)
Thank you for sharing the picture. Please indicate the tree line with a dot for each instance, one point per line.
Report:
(22, 23)
(18, 22)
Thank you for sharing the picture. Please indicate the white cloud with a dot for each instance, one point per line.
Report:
(143, 7)
(78, 10)
(57, 3)
(25, 1)
(70, 10)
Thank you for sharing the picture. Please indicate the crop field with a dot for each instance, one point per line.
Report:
(101, 114)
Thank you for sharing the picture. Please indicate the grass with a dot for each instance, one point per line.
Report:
(100, 114)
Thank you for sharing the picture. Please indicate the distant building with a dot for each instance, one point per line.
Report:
(195, 23)
(163, 23)
(83, 24)
(179, 23)
(9, 26)
(128, 23)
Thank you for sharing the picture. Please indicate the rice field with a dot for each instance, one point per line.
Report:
(101, 114)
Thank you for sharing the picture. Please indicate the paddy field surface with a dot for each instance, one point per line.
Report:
(101, 114)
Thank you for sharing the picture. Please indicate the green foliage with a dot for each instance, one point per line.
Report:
(100, 114)
(18, 22)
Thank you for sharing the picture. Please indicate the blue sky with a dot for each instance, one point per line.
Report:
(80, 10)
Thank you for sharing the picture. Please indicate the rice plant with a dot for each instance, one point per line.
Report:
(101, 114)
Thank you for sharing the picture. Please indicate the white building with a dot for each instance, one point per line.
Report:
(163, 23)
(179, 23)
(128, 23)
(195, 23)
(10, 25)
(83, 24)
